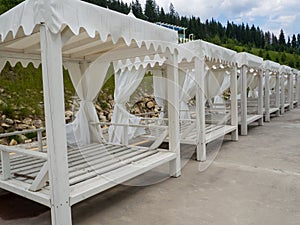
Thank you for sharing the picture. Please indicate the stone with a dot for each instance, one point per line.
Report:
(1, 90)
(98, 107)
(69, 113)
(3, 117)
(18, 121)
(9, 121)
(13, 142)
(110, 97)
(27, 121)
(150, 104)
(5, 125)
(1, 130)
(37, 123)
(22, 137)
(21, 126)
(102, 118)
(3, 141)
(28, 141)
(31, 127)
(109, 116)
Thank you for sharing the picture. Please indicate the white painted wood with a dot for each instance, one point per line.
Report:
(277, 94)
(5, 161)
(244, 128)
(21, 132)
(40, 179)
(98, 184)
(291, 90)
(125, 135)
(40, 140)
(22, 189)
(219, 132)
(21, 151)
(267, 96)
(234, 104)
(298, 90)
(173, 112)
(289, 95)
(200, 110)
(282, 94)
(296, 94)
(55, 126)
(260, 106)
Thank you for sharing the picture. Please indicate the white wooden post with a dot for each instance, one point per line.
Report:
(289, 91)
(244, 128)
(296, 89)
(260, 108)
(277, 94)
(173, 113)
(234, 104)
(282, 94)
(200, 109)
(5, 160)
(40, 140)
(125, 140)
(267, 95)
(297, 95)
(55, 126)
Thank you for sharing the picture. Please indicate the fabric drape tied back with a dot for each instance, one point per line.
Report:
(126, 82)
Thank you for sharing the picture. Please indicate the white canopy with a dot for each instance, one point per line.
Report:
(247, 59)
(90, 37)
(218, 62)
(207, 51)
(87, 31)
(285, 69)
(272, 66)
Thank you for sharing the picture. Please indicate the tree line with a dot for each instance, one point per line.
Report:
(213, 31)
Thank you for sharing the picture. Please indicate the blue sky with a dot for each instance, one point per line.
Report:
(269, 15)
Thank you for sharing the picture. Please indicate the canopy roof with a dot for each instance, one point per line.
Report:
(87, 32)
(247, 59)
(285, 69)
(270, 65)
(207, 51)
(296, 72)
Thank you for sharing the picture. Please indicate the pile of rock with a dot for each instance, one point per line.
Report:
(10, 125)
(146, 106)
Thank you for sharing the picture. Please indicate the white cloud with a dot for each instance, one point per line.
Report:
(271, 15)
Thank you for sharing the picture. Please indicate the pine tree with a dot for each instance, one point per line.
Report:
(282, 43)
(151, 11)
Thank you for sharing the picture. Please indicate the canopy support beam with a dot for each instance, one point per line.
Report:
(282, 94)
(260, 108)
(277, 94)
(173, 113)
(244, 129)
(200, 110)
(267, 96)
(51, 45)
(233, 106)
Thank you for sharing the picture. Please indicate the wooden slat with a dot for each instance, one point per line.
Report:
(98, 184)
(109, 166)
(21, 188)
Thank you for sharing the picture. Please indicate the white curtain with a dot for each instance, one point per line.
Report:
(213, 81)
(225, 85)
(159, 89)
(188, 91)
(253, 87)
(126, 82)
(87, 80)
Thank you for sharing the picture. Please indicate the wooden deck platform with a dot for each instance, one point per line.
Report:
(251, 118)
(92, 169)
(188, 132)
